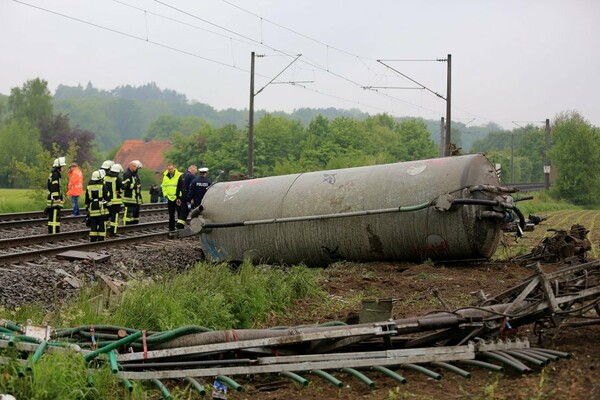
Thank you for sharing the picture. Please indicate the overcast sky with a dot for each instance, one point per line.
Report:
(513, 62)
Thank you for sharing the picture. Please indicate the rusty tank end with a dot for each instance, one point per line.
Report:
(440, 209)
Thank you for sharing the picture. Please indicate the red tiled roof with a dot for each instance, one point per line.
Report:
(149, 153)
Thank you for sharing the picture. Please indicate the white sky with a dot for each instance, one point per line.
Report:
(512, 60)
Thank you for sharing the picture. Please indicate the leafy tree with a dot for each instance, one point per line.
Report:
(575, 157)
(166, 126)
(276, 139)
(19, 141)
(415, 140)
(32, 102)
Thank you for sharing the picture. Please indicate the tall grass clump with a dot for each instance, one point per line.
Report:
(215, 296)
(59, 376)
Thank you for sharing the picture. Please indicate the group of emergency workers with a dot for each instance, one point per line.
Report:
(183, 192)
(105, 194)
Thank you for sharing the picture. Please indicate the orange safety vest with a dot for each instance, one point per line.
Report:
(75, 182)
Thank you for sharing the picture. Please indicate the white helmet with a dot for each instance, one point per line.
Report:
(138, 163)
(116, 168)
(102, 173)
(107, 164)
(96, 176)
(59, 162)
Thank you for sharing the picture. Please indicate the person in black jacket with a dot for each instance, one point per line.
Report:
(132, 193)
(183, 187)
(155, 193)
(198, 188)
(55, 201)
(96, 195)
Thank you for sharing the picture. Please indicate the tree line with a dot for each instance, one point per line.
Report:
(35, 127)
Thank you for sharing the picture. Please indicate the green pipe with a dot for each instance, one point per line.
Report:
(560, 354)
(12, 326)
(230, 382)
(526, 357)
(422, 370)
(127, 384)
(112, 358)
(328, 377)
(98, 328)
(90, 381)
(483, 364)
(538, 356)
(13, 337)
(5, 330)
(114, 345)
(162, 337)
(196, 385)
(452, 368)
(163, 390)
(390, 373)
(37, 355)
(109, 336)
(294, 377)
(497, 357)
(11, 341)
(361, 377)
(20, 373)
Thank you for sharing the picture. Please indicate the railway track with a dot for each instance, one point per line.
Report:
(28, 248)
(32, 218)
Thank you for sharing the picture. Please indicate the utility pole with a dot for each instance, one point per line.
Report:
(250, 166)
(448, 140)
(442, 139)
(546, 158)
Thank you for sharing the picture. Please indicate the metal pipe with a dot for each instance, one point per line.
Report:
(482, 364)
(531, 354)
(511, 358)
(196, 385)
(361, 377)
(112, 346)
(422, 370)
(497, 357)
(112, 358)
(544, 354)
(390, 373)
(452, 368)
(230, 382)
(127, 384)
(525, 357)
(328, 377)
(163, 390)
(294, 377)
(560, 354)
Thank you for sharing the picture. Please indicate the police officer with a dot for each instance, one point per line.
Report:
(114, 202)
(95, 202)
(132, 193)
(183, 188)
(55, 201)
(198, 187)
(169, 186)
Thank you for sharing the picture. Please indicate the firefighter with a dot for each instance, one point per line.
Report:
(183, 187)
(132, 193)
(95, 202)
(170, 185)
(198, 187)
(114, 202)
(55, 201)
(106, 166)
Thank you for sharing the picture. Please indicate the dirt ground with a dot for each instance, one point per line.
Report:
(410, 286)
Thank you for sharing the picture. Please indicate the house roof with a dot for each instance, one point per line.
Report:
(151, 154)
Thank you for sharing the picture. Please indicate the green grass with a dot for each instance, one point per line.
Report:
(542, 202)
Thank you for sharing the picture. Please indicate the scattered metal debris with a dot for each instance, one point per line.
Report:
(562, 246)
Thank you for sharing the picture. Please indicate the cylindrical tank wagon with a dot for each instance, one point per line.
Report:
(440, 209)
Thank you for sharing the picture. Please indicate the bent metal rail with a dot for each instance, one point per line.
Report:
(17, 250)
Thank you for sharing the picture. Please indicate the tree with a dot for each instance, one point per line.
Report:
(32, 102)
(19, 141)
(575, 156)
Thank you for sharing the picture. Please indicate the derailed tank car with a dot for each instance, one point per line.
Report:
(440, 209)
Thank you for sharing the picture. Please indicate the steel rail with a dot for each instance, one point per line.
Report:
(63, 236)
(118, 241)
(38, 217)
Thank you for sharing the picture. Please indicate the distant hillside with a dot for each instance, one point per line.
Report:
(126, 112)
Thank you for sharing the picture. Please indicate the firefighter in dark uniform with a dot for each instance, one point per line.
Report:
(95, 202)
(132, 193)
(114, 202)
(55, 201)
(182, 193)
(198, 188)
